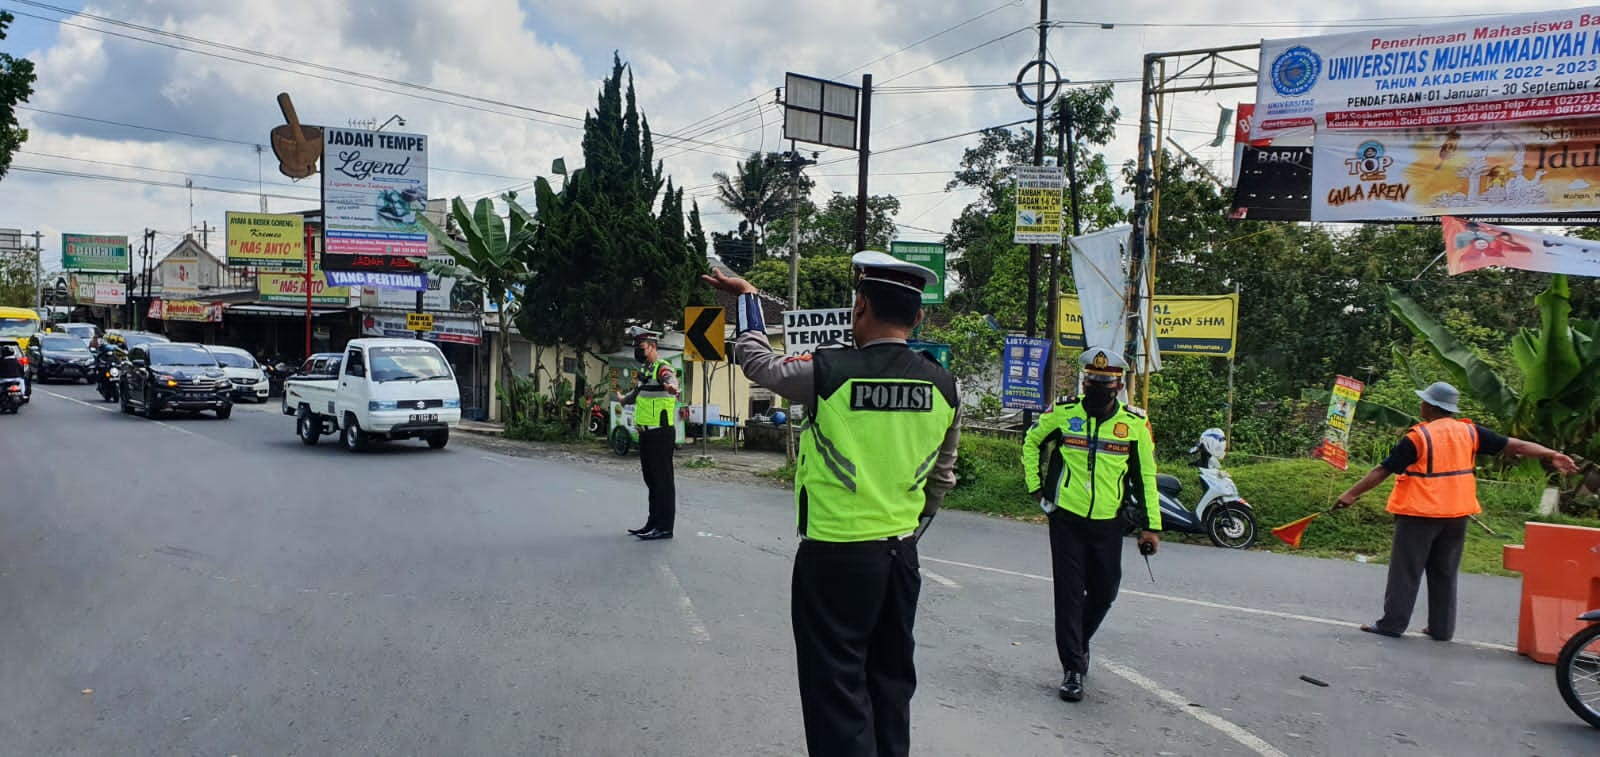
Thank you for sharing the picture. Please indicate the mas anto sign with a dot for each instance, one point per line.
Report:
(266, 240)
(1529, 66)
(94, 252)
(374, 189)
(1206, 325)
(806, 330)
(291, 288)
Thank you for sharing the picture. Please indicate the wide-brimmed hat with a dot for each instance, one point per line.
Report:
(1442, 396)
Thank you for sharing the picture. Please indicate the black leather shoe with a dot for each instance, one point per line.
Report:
(646, 528)
(653, 534)
(1072, 687)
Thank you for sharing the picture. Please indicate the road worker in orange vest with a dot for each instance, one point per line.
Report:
(1432, 500)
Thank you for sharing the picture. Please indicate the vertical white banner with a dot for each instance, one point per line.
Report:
(1100, 270)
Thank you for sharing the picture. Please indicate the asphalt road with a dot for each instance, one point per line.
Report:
(195, 586)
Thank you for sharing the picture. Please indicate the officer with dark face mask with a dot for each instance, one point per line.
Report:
(1080, 460)
(655, 401)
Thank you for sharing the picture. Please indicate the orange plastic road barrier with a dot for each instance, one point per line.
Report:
(1560, 567)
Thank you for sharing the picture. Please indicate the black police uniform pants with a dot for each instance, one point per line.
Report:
(1424, 545)
(655, 460)
(853, 606)
(1086, 565)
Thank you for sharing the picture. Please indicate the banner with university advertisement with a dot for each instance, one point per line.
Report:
(1022, 373)
(1334, 447)
(806, 330)
(1472, 244)
(929, 255)
(185, 310)
(94, 252)
(290, 288)
(110, 293)
(1527, 167)
(1039, 208)
(447, 330)
(1205, 325)
(374, 188)
(265, 240)
(1510, 68)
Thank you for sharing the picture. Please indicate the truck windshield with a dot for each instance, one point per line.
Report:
(408, 364)
(18, 326)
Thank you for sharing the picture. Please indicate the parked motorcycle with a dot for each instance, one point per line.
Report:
(12, 397)
(1578, 670)
(1219, 513)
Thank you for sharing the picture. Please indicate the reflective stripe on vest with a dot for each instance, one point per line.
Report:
(866, 456)
(655, 406)
(1442, 482)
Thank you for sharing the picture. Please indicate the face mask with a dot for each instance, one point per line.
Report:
(1099, 396)
(638, 354)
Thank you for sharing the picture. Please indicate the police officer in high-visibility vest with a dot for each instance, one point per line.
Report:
(876, 458)
(655, 409)
(1081, 460)
(1433, 498)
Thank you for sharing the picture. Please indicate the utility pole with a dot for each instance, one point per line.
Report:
(1038, 160)
(205, 235)
(38, 267)
(794, 162)
(861, 162)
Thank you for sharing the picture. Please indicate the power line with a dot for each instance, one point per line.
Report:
(150, 168)
(153, 183)
(931, 37)
(1000, 38)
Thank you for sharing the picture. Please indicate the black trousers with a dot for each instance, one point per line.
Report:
(1424, 545)
(655, 460)
(853, 607)
(1086, 565)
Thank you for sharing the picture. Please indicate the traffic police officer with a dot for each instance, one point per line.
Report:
(876, 458)
(655, 401)
(1081, 460)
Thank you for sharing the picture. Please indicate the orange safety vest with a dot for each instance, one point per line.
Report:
(1441, 483)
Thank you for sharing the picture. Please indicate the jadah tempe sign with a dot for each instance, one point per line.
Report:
(374, 189)
(1511, 68)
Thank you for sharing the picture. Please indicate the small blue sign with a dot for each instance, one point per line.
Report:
(1022, 373)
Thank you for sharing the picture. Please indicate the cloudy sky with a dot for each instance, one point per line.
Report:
(160, 93)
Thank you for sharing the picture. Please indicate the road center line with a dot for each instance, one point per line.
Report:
(697, 629)
(104, 409)
(941, 580)
(1226, 727)
(1215, 605)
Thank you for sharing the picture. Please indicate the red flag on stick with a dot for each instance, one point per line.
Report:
(1290, 533)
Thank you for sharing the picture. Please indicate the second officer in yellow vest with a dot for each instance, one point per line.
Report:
(876, 458)
(1081, 460)
(655, 410)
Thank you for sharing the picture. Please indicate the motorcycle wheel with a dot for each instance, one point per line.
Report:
(1578, 674)
(595, 427)
(1231, 526)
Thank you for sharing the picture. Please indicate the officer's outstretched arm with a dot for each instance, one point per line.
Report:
(1036, 435)
(790, 377)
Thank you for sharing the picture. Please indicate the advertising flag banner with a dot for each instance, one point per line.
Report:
(94, 252)
(1468, 71)
(1039, 190)
(266, 240)
(1472, 244)
(1022, 365)
(374, 188)
(1334, 447)
(1527, 167)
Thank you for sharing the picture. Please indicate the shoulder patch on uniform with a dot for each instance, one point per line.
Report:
(803, 358)
(1134, 411)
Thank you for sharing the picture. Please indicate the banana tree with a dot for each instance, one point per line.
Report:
(1558, 400)
(490, 254)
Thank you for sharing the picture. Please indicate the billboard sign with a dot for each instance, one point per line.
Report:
(1206, 325)
(928, 255)
(110, 293)
(806, 330)
(374, 190)
(1022, 373)
(1039, 209)
(1469, 71)
(291, 288)
(266, 240)
(94, 252)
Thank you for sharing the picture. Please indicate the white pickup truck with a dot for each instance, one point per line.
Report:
(383, 389)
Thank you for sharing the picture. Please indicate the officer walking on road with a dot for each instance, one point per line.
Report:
(876, 458)
(1081, 460)
(655, 401)
(1435, 495)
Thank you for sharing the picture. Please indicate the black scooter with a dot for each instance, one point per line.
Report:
(108, 376)
(12, 397)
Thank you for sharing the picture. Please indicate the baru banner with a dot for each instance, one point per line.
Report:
(290, 288)
(1334, 447)
(266, 240)
(1468, 71)
(806, 330)
(374, 187)
(1022, 366)
(1525, 167)
(1471, 244)
(94, 252)
(1206, 325)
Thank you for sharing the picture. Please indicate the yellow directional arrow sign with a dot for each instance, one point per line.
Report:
(703, 337)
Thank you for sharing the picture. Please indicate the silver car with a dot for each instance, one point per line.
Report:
(248, 378)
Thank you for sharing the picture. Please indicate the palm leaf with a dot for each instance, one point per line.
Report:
(1465, 369)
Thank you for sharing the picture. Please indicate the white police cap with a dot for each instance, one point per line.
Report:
(872, 265)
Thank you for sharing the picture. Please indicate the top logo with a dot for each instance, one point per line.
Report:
(1370, 162)
(1295, 71)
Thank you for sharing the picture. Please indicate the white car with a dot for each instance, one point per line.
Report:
(248, 378)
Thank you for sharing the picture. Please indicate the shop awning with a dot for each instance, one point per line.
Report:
(281, 311)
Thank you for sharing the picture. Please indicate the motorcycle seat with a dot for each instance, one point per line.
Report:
(1168, 484)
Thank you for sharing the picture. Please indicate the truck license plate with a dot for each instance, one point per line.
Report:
(424, 417)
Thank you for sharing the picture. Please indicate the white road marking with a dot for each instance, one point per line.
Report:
(691, 618)
(941, 580)
(1217, 605)
(104, 409)
(1226, 727)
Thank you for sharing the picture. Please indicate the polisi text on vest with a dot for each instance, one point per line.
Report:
(891, 396)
